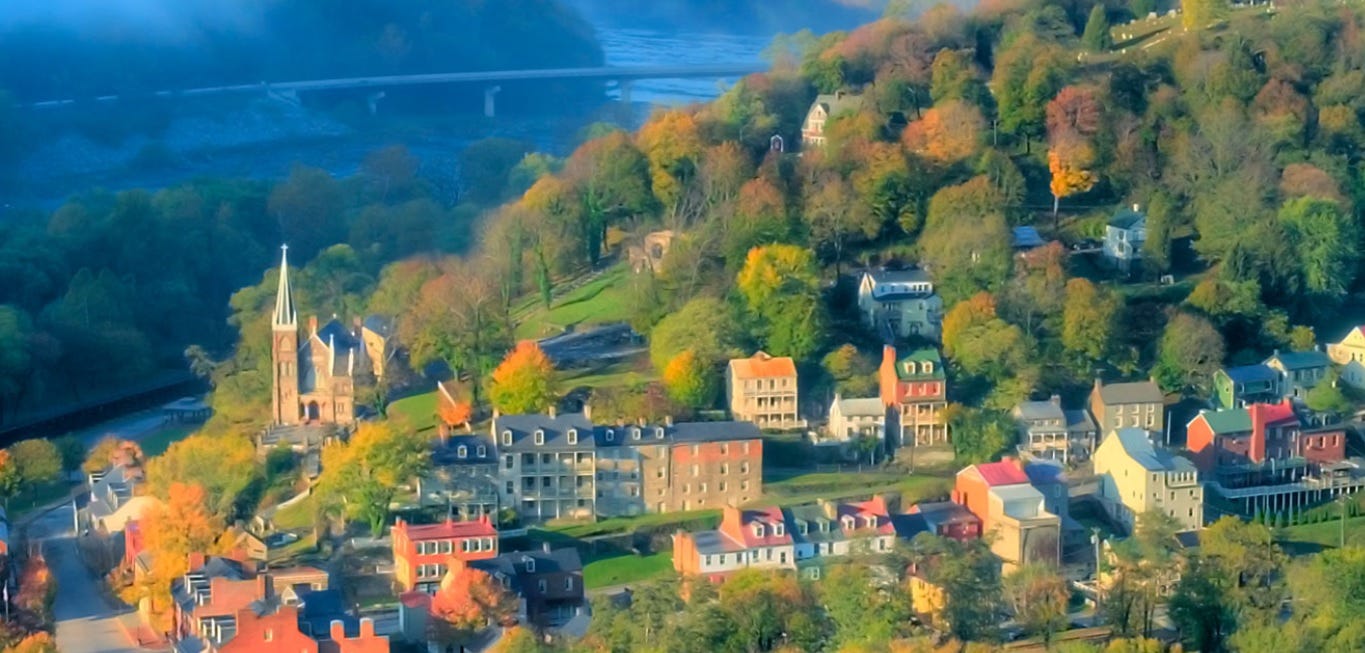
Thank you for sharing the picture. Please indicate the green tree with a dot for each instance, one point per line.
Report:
(861, 611)
(366, 471)
(39, 461)
(1326, 239)
(224, 465)
(704, 325)
(854, 373)
(690, 381)
(72, 450)
(1038, 596)
(1199, 14)
(16, 361)
(611, 179)
(1090, 320)
(1156, 250)
(1327, 397)
(979, 434)
(969, 575)
(1096, 37)
(966, 240)
(780, 285)
(486, 167)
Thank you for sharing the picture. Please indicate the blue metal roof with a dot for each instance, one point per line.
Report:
(1251, 374)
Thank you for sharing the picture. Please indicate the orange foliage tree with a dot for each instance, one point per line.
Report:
(947, 133)
(174, 530)
(39, 642)
(689, 380)
(524, 382)
(1073, 120)
(1068, 177)
(468, 601)
(453, 405)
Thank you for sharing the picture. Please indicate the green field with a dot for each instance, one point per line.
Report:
(418, 410)
(628, 524)
(157, 442)
(36, 497)
(807, 488)
(299, 515)
(600, 301)
(622, 374)
(626, 569)
(1326, 533)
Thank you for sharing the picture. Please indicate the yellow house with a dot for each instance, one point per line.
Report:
(1350, 355)
(1136, 477)
(926, 599)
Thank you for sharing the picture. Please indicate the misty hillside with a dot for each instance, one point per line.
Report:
(74, 48)
(750, 16)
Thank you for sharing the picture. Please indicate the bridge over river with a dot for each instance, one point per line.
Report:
(489, 79)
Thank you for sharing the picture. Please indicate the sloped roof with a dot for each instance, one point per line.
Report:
(1139, 392)
(769, 517)
(1019, 501)
(1005, 472)
(555, 430)
(1126, 218)
(925, 355)
(1251, 374)
(940, 513)
(1301, 360)
(713, 431)
(1139, 447)
(1224, 422)
(380, 324)
(865, 407)
(908, 275)
(763, 366)
(451, 529)
(1040, 410)
(1027, 237)
(836, 103)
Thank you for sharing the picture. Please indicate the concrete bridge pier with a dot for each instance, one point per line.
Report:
(489, 105)
(372, 100)
(624, 87)
(288, 96)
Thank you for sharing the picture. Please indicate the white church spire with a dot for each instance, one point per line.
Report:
(285, 315)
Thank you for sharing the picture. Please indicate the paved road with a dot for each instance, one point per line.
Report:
(86, 622)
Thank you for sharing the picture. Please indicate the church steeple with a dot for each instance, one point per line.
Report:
(285, 316)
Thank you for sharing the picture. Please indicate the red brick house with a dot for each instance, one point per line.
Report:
(914, 389)
(1257, 434)
(422, 553)
(271, 633)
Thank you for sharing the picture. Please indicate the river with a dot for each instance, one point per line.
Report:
(268, 138)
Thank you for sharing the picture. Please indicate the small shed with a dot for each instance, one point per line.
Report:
(186, 410)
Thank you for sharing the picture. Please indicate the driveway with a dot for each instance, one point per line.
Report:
(87, 622)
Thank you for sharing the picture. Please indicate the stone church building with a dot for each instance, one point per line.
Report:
(315, 373)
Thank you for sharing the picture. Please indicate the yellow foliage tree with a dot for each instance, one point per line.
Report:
(1068, 177)
(689, 381)
(672, 144)
(524, 382)
(172, 531)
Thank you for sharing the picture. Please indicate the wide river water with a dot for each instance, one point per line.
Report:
(261, 144)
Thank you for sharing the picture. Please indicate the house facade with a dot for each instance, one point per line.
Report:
(1124, 237)
(900, 303)
(1258, 434)
(826, 107)
(915, 390)
(1136, 477)
(852, 419)
(1048, 431)
(1137, 405)
(1299, 371)
(564, 466)
(1235, 387)
(762, 389)
(1349, 353)
(746, 538)
(1012, 511)
(549, 582)
(422, 552)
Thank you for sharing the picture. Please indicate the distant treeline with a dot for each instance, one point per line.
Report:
(753, 16)
(65, 53)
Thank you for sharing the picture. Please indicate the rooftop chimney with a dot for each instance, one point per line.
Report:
(545, 546)
(367, 628)
(587, 411)
(338, 630)
(668, 420)
(312, 324)
(1136, 207)
(553, 411)
(1056, 400)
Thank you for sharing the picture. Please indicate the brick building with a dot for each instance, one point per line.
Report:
(1012, 511)
(746, 538)
(556, 466)
(915, 389)
(422, 552)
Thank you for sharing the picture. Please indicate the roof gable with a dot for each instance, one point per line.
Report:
(1300, 360)
(763, 366)
(920, 364)
(1139, 392)
(1005, 472)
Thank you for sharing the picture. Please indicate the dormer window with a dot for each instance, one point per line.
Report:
(540, 436)
(635, 434)
(779, 530)
(658, 432)
(507, 437)
(530, 565)
(910, 367)
(847, 523)
(758, 530)
(573, 436)
(802, 527)
(869, 521)
(928, 367)
(462, 452)
(482, 451)
(611, 435)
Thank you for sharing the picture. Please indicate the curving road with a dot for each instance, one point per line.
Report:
(87, 622)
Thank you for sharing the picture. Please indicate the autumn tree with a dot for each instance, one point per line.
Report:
(365, 472)
(672, 143)
(611, 179)
(100, 455)
(954, 77)
(1038, 596)
(760, 218)
(780, 285)
(1199, 14)
(703, 326)
(222, 465)
(37, 460)
(468, 601)
(835, 217)
(853, 372)
(1090, 320)
(947, 133)
(458, 320)
(1191, 350)
(1035, 297)
(690, 380)
(1073, 120)
(983, 344)
(182, 524)
(453, 405)
(970, 577)
(524, 382)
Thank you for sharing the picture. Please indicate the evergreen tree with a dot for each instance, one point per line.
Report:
(1096, 37)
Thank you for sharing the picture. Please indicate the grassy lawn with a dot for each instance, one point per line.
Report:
(1326, 533)
(157, 442)
(36, 497)
(418, 410)
(626, 569)
(600, 301)
(627, 524)
(808, 488)
(636, 371)
(299, 515)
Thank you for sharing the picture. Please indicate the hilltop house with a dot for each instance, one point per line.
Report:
(762, 390)
(556, 466)
(826, 107)
(1124, 237)
(902, 302)
(1136, 477)
(1117, 405)
(1046, 430)
(915, 390)
(1350, 355)
(1002, 496)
